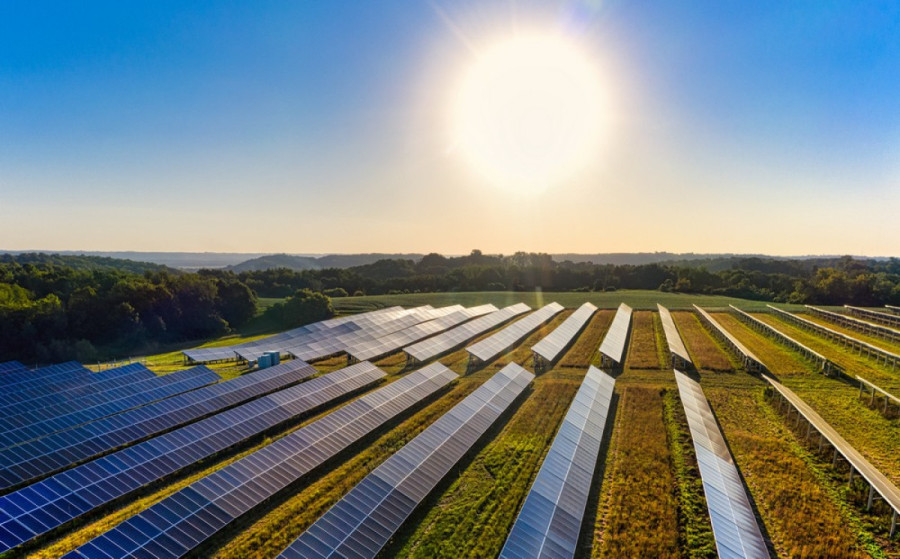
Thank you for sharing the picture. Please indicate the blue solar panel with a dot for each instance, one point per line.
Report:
(48, 504)
(44, 456)
(154, 389)
(15, 382)
(550, 520)
(179, 523)
(11, 367)
(56, 403)
(361, 523)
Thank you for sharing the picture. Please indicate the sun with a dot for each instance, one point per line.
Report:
(528, 113)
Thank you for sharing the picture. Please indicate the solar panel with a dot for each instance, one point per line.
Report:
(551, 347)
(53, 502)
(150, 390)
(179, 523)
(879, 331)
(734, 525)
(678, 354)
(11, 367)
(374, 349)
(888, 319)
(612, 350)
(748, 358)
(55, 403)
(442, 343)
(273, 343)
(491, 347)
(550, 520)
(361, 523)
(13, 383)
(26, 462)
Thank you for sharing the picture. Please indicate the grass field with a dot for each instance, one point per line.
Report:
(647, 498)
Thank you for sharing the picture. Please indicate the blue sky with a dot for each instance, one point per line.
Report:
(315, 127)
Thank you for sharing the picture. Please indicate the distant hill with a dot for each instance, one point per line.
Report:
(292, 262)
(640, 258)
(82, 262)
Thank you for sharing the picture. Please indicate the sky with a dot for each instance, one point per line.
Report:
(326, 127)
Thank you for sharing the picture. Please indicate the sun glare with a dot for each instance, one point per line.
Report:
(528, 113)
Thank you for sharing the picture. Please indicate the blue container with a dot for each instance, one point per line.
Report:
(264, 361)
(274, 357)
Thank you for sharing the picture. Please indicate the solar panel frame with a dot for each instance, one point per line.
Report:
(45, 456)
(494, 345)
(549, 522)
(735, 527)
(551, 347)
(271, 469)
(750, 361)
(612, 349)
(70, 494)
(678, 353)
(362, 522)
(888, 318)
(865, 327)
(155, 389)
(456, 337)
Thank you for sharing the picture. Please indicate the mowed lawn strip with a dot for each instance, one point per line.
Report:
(705, 352)
(798, 513)
(638, 513)
(642, 347)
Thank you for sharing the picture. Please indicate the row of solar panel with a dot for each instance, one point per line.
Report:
(878, 330)
(182, 521)
(363, 521)
(132, 379)
(734, 525)
(46, 455)
(48, 504)
(157, 388)
(16, 383)
(11, 367)
(553, 344)
(455, 337)
(678, 352)
(549, 523)
(612, 349)
(491, 347)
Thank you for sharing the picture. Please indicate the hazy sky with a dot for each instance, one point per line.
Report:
(315, 127)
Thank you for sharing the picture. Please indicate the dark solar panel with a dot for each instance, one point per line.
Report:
(550, 520)
(18, 381)
(11, 367)
(56, 403)
(151, 390)
(207, 505)
(44, 456)
(361, 523)
(48, 504)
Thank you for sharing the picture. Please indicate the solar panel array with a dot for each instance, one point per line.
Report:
(442, 343)
(491, 347)
(392, 342)
(369, 331)
(893, 309)
(888, 397)
(550, 520)
(289, 337)
(551, 347)
(883, 332)
(152, 390)
(11, 367)
(864, 348)
(734, 525)
(887, 319)
(47, 455)
(19, 384)
(750, 361)
(679, 356)
(362, 522)
(132, 379)
(612, 350)
(48, 504)
(825, 365)
(179, 523)
(877, 481)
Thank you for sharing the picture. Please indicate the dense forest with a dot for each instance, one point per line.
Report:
(56, 307)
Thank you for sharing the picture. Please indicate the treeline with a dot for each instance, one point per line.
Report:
(827, 281)
(51, 312)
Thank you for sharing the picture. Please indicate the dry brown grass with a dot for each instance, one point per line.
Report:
(638, 515)
(705, 352)
(584, 351)
(643, 352)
